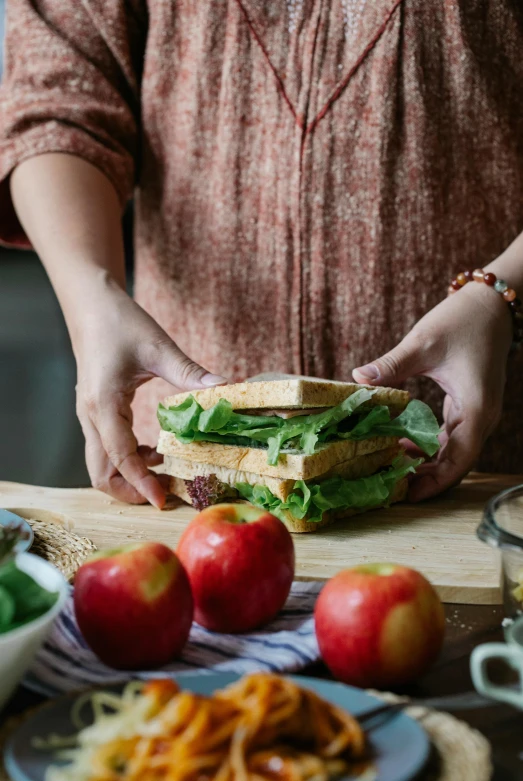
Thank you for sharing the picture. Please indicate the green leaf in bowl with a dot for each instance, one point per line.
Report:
(19, 590)
(7, 609)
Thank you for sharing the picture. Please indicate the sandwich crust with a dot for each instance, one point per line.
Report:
(181, 469)
(289, 394)
(291, 466)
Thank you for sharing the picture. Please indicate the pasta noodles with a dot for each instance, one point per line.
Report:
(262, 728)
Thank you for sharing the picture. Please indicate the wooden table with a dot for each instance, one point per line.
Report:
(436, 537)
(468, 625)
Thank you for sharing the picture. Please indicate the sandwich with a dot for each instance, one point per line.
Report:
(308, 451)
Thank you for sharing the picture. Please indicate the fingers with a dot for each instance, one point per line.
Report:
(150, 455)
(119, 443)
(411, 450)
(471, 414)
(166, 360)
(104, 476)
(115, 464)
(164, 481)
(104, 393)
(404, 361)
(459, 452)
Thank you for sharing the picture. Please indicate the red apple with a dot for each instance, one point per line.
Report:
(134, 605)
(240, 562)
(379, 625)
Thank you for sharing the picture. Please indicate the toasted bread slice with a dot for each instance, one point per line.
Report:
(291, 466)
(178, 487)
(362, 466)
(289, 394)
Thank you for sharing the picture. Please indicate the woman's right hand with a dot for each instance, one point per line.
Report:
(118, 348)
(71, 212)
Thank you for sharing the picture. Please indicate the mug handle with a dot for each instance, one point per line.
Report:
(478, 669)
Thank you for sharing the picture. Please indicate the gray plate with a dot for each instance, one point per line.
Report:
(400, 747)
(8, 518)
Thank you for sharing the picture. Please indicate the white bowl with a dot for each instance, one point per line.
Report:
(18, 648)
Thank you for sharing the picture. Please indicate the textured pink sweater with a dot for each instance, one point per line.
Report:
(308, 174)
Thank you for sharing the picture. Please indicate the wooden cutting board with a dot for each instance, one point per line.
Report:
(436, 537)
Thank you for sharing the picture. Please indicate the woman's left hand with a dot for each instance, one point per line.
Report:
(463, 345)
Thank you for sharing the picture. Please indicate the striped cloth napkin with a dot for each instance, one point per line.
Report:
(288, 644)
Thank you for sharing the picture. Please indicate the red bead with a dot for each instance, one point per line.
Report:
(455, 284)
(468, 276)
(489, 279)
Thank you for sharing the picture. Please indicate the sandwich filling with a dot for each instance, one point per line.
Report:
(304, 433)
(308, 499)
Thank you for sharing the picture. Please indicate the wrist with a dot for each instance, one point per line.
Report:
(491, 305)
(92, 302)
(509, 266)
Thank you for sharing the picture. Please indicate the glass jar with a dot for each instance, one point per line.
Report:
(502, 527)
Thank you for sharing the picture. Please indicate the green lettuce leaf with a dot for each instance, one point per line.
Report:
(181, 420)
(7, 609)
(313, 425)
(311, 500)
(216, 417)
(22, 599)
(260, 496)
(417, 422)
(190, 423)
(303, 433)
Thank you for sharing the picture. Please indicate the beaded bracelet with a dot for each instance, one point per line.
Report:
(501, 287)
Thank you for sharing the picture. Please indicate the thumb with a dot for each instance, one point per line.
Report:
(171, 364)
(394, 367)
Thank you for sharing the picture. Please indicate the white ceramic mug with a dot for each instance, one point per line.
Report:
(512, 653)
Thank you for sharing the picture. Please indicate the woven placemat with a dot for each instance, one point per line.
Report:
(460, 753)
(60, 546)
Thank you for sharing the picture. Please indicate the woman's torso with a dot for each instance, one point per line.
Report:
(313, 174)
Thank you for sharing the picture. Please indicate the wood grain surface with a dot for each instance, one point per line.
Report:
(436, 537)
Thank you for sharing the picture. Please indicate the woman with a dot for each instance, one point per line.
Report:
(308, 175)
